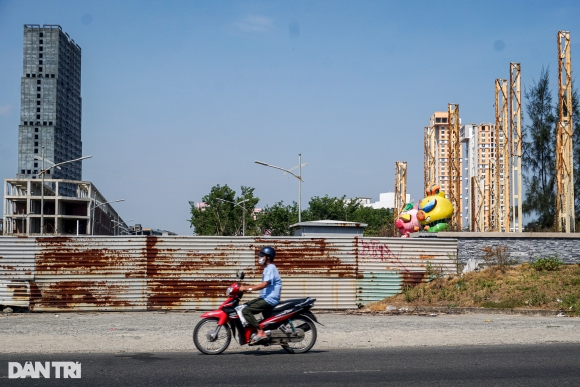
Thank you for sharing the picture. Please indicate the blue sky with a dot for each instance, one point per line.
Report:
(181, 95)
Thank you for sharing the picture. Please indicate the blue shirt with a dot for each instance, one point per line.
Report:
(271, 293)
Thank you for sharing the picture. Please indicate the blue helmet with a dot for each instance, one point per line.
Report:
(267, 251)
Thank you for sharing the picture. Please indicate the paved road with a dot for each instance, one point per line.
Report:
(507, 365)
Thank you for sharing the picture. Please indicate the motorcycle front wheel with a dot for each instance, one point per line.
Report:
(202, 337)
(306, 325)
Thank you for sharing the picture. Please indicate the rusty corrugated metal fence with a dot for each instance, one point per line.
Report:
(176, 272)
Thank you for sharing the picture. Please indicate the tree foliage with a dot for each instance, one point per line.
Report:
(216, 217)
(539, 156)
(278, 218)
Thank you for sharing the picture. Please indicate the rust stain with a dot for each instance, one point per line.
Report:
(312, 257)
(20, 292)
(422, 256)
(63, 255)
(8, 267)
(151, 252)
(69, 294)
(412, 278)
(168, 293)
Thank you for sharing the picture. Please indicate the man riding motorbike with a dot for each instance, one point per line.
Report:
(270, 289)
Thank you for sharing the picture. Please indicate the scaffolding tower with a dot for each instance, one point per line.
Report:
(476, 200)
(429, 157)
(502, 158)
(565, 220)
(454, 164)
(400, 189)
(515, 104)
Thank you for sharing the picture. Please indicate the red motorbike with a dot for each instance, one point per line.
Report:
(289, 324)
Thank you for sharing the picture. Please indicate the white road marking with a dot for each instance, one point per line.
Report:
(329, 372)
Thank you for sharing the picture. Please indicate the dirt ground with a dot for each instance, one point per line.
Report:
(172, 331)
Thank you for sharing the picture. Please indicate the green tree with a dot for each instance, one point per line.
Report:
(327, 208)
(217, 217)
(276, 219)
(539, 160)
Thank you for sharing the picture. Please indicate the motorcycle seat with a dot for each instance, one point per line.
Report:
(287, 304)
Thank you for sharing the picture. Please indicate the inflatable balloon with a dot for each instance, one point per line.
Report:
(435, 210)
(408, 222)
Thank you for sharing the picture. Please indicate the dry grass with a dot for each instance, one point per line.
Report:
(507, 287)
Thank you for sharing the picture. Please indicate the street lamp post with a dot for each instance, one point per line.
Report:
(95, 205)
(43, 172)
(244, 212)
(299, 177)
(121, 227)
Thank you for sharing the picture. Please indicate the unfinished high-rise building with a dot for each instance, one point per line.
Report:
(50, 113)
(478, 152)
(437, 154)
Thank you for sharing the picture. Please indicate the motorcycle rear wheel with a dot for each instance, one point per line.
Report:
(304, 323)
(203, 343)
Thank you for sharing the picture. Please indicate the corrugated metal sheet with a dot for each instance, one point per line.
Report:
(89, 273)
(387, 265)
(176, 272)
(17, 268)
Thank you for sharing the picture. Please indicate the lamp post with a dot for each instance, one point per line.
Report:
(43, 172)
(95, 205)
(121, 227)
(299, 177)
(244, 213)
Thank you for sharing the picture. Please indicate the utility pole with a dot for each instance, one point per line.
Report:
(565, 219)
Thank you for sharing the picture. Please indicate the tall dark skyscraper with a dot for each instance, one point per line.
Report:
(50, 113)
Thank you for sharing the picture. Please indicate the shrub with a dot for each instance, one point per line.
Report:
(547, 264)
(497, 257)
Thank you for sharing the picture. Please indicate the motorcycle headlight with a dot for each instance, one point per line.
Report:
(228, 291)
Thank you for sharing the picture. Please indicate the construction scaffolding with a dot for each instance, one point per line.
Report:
(429, 157)
(515, 104)
(565, 220)
(490, 199)
(501, 200)
(400, 189)
(454, 164)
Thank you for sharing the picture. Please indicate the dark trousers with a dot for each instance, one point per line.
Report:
(257, 305)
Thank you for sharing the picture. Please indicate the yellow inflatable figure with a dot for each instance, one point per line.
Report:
(435, 211)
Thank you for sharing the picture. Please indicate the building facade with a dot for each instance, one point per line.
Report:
(439, 122)
(50, 113)
(479, 157)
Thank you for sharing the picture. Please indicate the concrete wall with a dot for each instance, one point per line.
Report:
(522, 247)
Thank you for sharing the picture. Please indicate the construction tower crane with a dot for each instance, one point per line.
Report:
(515, 104)
(429, 157)
(400, 189)
(501, 202)
(454, 164)
(565, 220)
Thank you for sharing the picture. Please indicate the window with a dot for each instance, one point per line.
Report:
(40, 48)
(35, 165)
(44, 123)
(28, 172)
(36, 151)
(22, 171)
(52, 75)
(40, 69)
(38, 111)
(40, 41)
(27, 75)
(33, 75)
(50, 123)
(37, 102)
(38, 82)
(37, 95)
(36, 130)
(38, 88)
(41, 34)
(48, 172)
(38, 116)
(36, 143)
(40, 62)
(40, 55)
(438, 120)
(35, 171)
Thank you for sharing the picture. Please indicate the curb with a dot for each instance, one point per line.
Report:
(434, 310)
